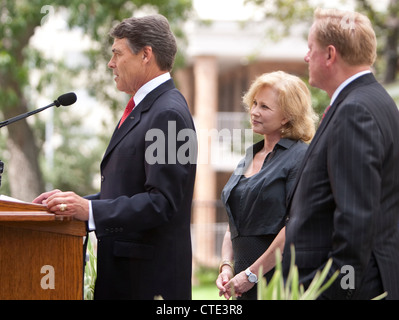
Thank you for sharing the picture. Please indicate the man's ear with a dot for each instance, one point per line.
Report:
(331, 55)
(147, 53)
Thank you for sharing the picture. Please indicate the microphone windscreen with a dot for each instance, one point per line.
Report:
(67, 99)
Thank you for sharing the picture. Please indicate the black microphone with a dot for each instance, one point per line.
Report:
(63, 100)
(66, 99)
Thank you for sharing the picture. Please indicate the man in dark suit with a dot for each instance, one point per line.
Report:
(141, 216)
(345, 204)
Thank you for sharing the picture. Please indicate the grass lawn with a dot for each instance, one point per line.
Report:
(206, 292)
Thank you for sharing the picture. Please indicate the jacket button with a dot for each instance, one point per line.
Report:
(102, 178)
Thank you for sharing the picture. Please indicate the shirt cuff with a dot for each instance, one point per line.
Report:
(91, 224)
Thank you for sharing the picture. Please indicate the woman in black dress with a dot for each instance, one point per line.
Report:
(255, 195)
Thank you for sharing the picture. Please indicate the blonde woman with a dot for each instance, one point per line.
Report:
(255, 195)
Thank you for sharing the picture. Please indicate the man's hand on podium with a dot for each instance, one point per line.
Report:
(65, 203)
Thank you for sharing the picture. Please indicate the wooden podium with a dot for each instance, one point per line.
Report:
(41, 254)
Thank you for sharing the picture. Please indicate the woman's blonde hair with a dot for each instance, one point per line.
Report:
(294, 100)
(351, 33)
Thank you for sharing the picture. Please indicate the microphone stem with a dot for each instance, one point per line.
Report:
(25, 115)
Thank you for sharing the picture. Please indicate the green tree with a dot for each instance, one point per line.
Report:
(18, 21)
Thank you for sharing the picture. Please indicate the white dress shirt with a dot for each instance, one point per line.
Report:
(345, 83)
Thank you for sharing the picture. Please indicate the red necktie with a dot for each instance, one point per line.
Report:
(324, 113)
(128, 109)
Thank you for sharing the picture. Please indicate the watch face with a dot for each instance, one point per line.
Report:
(252, 278)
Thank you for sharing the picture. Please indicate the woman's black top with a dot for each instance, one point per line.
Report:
(256, 205)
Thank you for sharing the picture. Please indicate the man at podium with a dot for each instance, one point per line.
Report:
(141, 216)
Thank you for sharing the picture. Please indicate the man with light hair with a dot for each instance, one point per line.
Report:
(345, 203)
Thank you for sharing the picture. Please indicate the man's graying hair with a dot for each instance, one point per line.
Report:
(153, 31)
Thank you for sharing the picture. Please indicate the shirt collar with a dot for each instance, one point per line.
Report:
(284, 142)
(149, 86)
(345, 83)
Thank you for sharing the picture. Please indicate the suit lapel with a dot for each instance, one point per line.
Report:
(135, 116)
(368, 78)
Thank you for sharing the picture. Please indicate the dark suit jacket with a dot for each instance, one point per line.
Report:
(142, 213)
(345, 204)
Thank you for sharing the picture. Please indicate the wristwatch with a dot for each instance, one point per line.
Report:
(251, 276)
